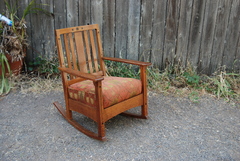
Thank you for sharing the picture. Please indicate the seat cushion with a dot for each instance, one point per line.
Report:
(114, 90)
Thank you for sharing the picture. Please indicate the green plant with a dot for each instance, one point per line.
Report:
(5, 86)
(121, 69)
(194, 96)
(223, 84)
(44, 66)
(192, 79)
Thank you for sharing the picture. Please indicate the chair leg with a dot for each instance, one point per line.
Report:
(101, 130)
(69, 114)
(144, 110)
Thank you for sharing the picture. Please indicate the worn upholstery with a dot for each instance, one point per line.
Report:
(114, 89)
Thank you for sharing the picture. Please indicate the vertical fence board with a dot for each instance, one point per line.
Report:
(109, 28)
(207, 36)
(196, 31)
(159, 16)
(171, 31)
(232, 35)
(72, 13)
(84, 12)
(133, 29)
(37, 37)
(146, 30)
(121, 28)
(2, 7)
(60, 14)
(183, 30)
(220, 34)
(97, 13)
(48, 48)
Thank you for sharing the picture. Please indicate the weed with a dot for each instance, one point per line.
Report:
(44, 66)
(194, 96)
(121, 69)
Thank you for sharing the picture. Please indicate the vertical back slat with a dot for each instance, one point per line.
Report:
(66, 43)
(74, 59)
(94, 53)
(68, 54)
(80, 52)
(60, 50)
(100, 51)
(88, 51)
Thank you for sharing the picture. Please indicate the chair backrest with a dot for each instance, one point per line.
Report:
(80, 48)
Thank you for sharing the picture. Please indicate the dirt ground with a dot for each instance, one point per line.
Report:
(177, 129)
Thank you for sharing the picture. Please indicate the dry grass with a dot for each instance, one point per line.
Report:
(35, 84)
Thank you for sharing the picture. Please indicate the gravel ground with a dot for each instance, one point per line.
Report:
(177, 129)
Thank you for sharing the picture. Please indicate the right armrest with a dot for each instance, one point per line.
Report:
(76, 73)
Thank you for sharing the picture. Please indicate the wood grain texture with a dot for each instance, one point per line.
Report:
(121, 28)
(209, 25)
(109, 28)
(72, 13)
(232, 36)
(196, 31)
(134, 15)
(2, 7)
(171, 31)
(158, 36)
(97, 13)
(146, 30)
(220, 32)
(84, 12)
(183, 30)
(60, 14)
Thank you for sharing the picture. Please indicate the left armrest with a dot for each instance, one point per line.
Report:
(134, 62)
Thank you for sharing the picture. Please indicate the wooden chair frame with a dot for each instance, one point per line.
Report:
(71, 75)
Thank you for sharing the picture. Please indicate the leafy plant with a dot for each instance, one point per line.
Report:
(5, 86)
(44, 66)
(121, 69)
(223, 85)
(192, 79)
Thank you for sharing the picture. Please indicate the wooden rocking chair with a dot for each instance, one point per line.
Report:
(87, 89)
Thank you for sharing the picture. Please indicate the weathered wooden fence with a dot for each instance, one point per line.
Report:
(202, 32)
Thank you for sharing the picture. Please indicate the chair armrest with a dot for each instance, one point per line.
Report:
(134, 62)
(94, 78)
